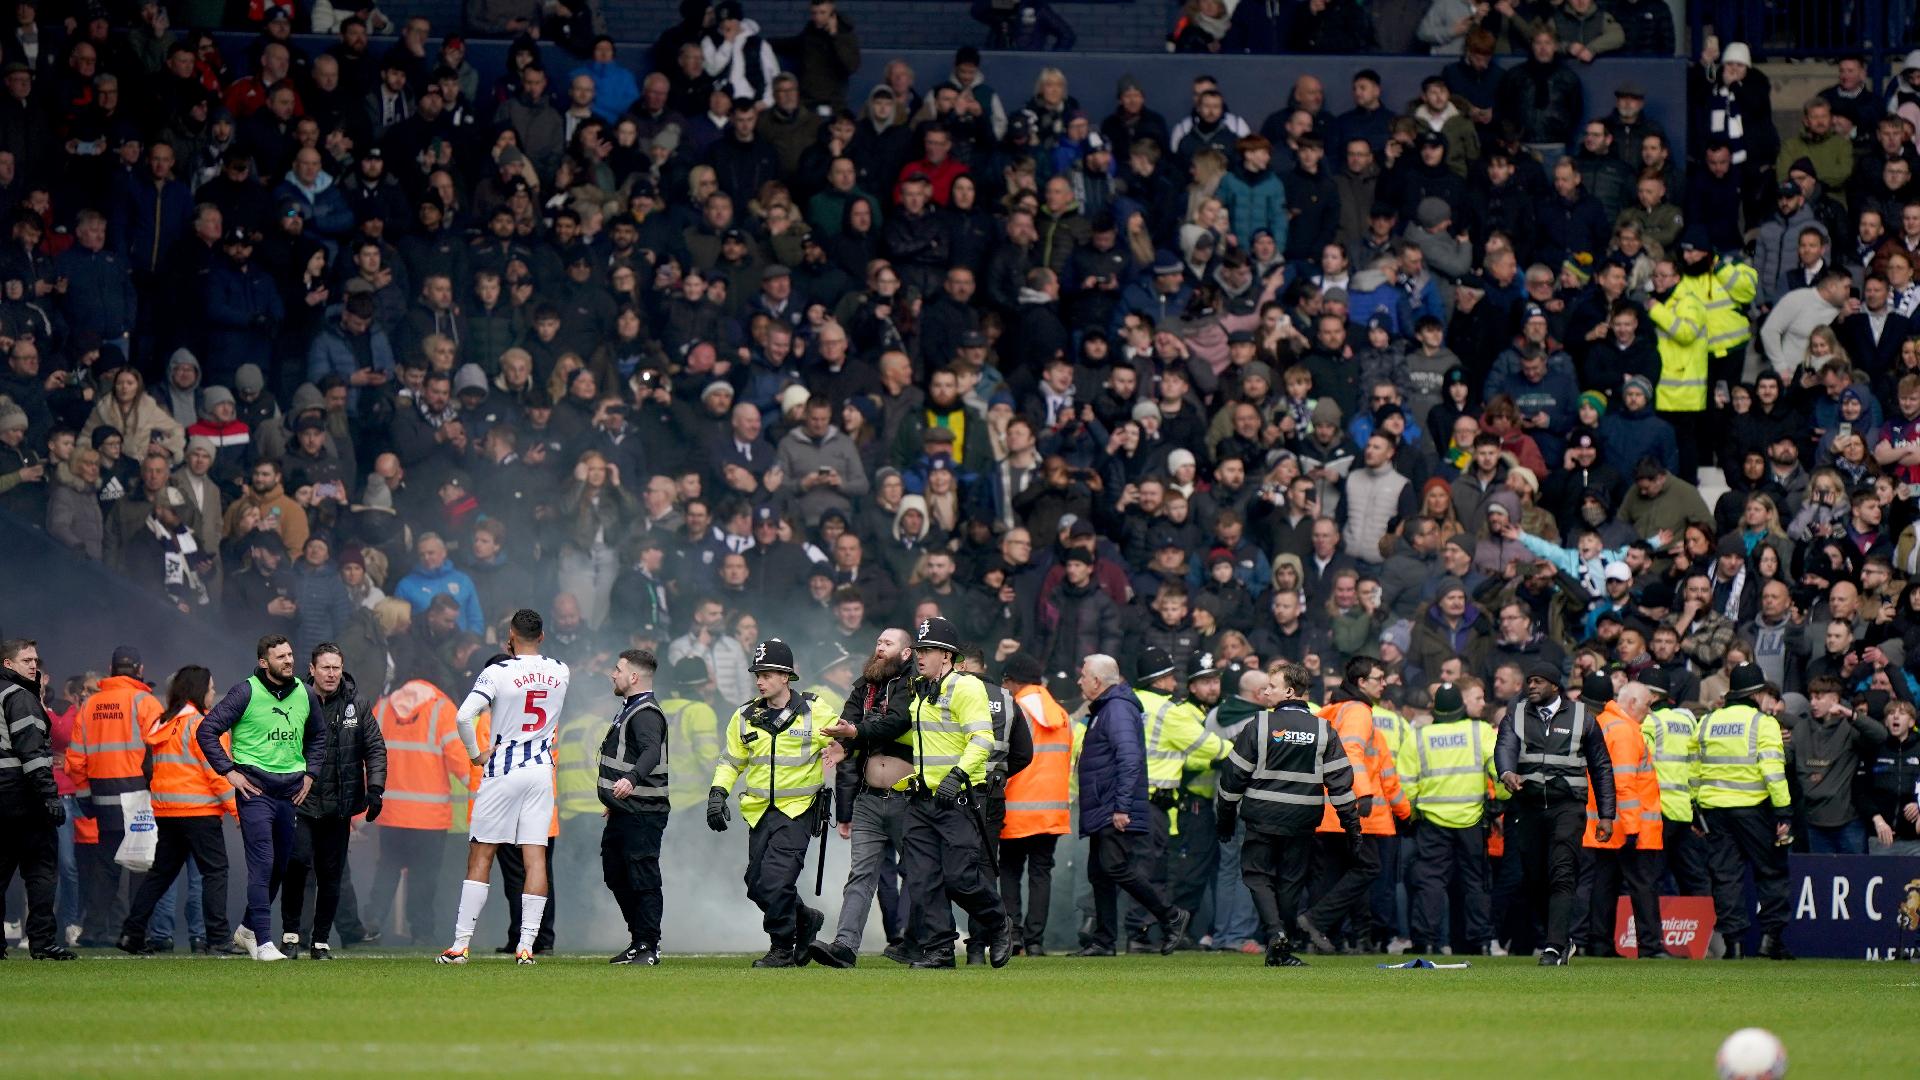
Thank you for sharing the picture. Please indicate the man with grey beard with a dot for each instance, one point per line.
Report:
(870, 805)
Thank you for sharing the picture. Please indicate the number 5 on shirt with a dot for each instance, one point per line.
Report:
(533, 709)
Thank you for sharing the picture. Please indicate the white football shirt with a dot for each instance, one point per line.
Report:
(526, 695)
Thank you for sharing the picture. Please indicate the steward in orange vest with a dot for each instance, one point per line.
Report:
(424, 754)
(189, 798)
(1377, 796)
(106, 759)
(1037, 804)
(1631, 855)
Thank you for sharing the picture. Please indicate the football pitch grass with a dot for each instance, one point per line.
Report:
(1199, 1017)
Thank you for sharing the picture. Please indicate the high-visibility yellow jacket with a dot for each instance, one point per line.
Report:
(1724, 295)
(1448, 770)
(693, 730)
(1680, 328)
(1671, 735)
(1398, 733)
(1177, 740)
(775, 768)
(1740, 760)
(576, 764)
(950, 725)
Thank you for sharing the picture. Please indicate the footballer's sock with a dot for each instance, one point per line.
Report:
(532, 910)
(473, 898)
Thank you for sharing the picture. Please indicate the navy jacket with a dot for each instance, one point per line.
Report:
(1113, 763)
(147, 219)
(100, 294)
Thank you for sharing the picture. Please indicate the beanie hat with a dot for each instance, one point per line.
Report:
(1431, 211)
(249, 380)
(1325, 411)
(12, 418)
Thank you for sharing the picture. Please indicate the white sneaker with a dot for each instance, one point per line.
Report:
(268, 952)
(244, 937)
(1497, 949)
(72, 934)
(1398, 946)
(290, 945)
(11, 932)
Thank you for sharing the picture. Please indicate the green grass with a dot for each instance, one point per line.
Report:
(1196, 1016)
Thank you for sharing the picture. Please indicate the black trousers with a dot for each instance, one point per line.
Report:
(1275, 870)
(1684, 857)
(513, 881)
(630, 865)
(993, 810)
(1443, 856)
(776, 853)
(30, 846)
(420, 855)
(1547, 838)
(320, 852)
(1194, 858)
(944, 864)
(1739, 839)
(1636, 871)
(181, 838)
(1343, 879)
(1689, 434)
(104, 887)
(1113, 864)
(1150, 854)
(1034, 856)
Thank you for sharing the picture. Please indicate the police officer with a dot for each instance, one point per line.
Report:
(30, 809)
(1549, 752)
(1012, 750)
(772, 745)
(633, 787)
(1192, 853)
(1177, 740)
(1741, 769)
(1672, 735)
(1285, 767)
(947, 719)
(1449, 767)
(870, 802)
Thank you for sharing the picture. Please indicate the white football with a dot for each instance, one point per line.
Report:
(1752, 1054)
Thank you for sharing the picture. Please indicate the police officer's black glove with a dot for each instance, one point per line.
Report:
(717, 813)
(1356, 842)
(1224, 820)
(952, 787)
(56, 811)
(374, 802)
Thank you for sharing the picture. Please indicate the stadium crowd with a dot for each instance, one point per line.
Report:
(353, 345)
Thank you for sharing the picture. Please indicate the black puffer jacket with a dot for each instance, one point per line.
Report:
(355, 761)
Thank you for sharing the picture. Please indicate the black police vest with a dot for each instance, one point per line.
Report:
(617, 759)
(1550, 749)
